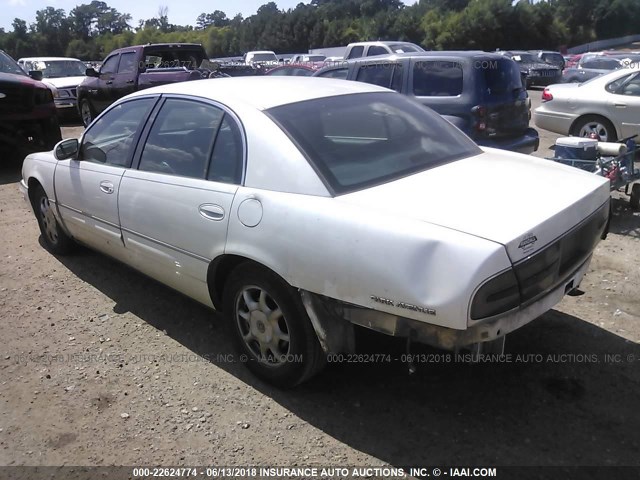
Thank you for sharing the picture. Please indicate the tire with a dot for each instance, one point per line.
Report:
(594, 123)
(55, 239)
(271, 329)
(87, 112)
(634, 199)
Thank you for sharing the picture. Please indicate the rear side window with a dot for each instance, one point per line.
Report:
(376, 50)
(437, 79)
(226, 164)
(340, 73)
(127, 63)
(388, 75)
(356, 52)
(181, 139)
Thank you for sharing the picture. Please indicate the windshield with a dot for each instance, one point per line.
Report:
(9, 65)
(58, 68)
(360, 140)
(313, 58)
(264, 57)
(405, 48)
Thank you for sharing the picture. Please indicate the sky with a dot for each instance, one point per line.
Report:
(180, 12)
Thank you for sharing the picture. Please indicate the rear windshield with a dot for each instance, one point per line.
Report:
(155, 57)
(361, 140)
(500, 76)
(404, 48)
(264, 57)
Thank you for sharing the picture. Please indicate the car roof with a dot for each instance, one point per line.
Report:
(383, 42)
(263, 92)
(439, 53)
(46, 59)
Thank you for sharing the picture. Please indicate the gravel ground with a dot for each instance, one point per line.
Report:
(100, 365)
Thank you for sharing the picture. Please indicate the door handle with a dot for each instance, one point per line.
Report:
(211, 211)
(621, 105)
(106, 187)
(109, 82)
(130, 81)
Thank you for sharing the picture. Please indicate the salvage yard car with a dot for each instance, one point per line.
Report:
(608, 106)
(301, 206)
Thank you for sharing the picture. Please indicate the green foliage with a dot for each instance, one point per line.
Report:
(90, 31)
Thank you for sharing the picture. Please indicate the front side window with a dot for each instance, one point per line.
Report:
(181, 139)
(9, 65)
(356, 52)
(110, 139)
(360, 140)
(110, 65)
(437, 79)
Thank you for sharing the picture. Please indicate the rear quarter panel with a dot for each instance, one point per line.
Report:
(353, 254)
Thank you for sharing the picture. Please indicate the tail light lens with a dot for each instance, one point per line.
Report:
(546, 95)
(480, 112)
(498, 295)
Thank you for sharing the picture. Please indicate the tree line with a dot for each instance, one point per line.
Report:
(90, 31)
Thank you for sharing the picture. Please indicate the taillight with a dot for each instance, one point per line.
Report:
(498, 295)
(546, 95)
(480, 111)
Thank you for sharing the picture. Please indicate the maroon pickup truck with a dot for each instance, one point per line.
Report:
(28, 119)
(129, 69)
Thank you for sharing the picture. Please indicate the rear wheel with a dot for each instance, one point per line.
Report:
(271, 328)
(55, 239)
(87, 113)
(589, 124)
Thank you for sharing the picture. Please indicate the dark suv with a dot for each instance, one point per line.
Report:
(480, 93)
(538, 72)
(28, 119)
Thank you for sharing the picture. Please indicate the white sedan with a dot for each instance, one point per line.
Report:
(302, 206)
(608, 105)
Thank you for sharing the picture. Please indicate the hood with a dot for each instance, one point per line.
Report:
(499, 196)
(12, 78)
(65, 82)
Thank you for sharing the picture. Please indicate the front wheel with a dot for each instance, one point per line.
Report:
(87, 113)
(271, 328)
(55, 239)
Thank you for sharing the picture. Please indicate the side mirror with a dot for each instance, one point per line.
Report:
(90, 72)
(36, 74)
(66, 149)
(523, 78)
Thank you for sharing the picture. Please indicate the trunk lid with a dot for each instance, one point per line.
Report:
(521, 202)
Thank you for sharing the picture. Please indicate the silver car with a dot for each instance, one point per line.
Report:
(302, 206)
(608, 105)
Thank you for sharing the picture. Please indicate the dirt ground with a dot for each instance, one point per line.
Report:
(100, 365)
